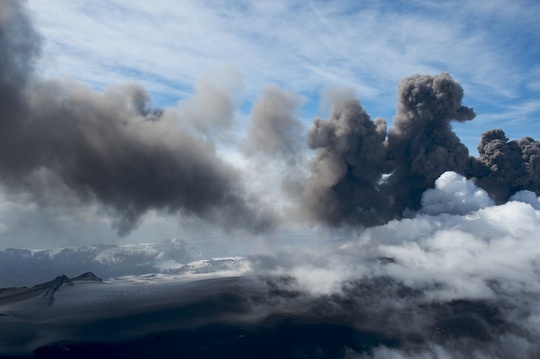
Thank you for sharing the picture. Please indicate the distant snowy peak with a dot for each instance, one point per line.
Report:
(143, 253)
(24, 267)
(114, 253)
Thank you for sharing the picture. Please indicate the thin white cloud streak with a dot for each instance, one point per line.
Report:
(286, 43)
(517, 120)
(513, 113)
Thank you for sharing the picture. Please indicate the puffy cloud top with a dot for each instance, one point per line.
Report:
(454, 194)
(527, 197)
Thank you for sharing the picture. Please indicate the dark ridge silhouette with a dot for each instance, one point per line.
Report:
(58, 281)
(88, 276)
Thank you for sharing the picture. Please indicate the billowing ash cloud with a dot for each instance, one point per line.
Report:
(505, 167)
(349, 161)
(19, 45)
(115, 149)
(421, 143)
(109, 146)
(361, 175)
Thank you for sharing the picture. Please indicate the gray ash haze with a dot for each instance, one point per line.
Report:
(274, 128)
(111, 147)
(357, 237)
(61, 139)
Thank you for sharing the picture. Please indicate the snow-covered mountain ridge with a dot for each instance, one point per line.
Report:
(26, 267)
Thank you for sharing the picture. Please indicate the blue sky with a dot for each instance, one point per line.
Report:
(491, 48)
(174, 48)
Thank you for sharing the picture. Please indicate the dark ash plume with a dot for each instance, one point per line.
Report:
(353, 153)
(110, 147)
(19, 49)
(505, 167)
(114, 148)
(359, 177)
(421, 143)
(348, 165)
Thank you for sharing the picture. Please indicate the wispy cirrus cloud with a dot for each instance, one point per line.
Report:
(301, 46)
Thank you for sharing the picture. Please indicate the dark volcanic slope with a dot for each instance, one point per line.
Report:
(15, 299)
(261, 317)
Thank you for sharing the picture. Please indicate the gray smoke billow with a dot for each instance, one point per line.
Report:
(349, 161)
(362, 175)
(115, 149)
(421, 143)
(505, 167)
(110, 146)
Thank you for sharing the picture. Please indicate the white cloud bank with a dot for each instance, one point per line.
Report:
(454, 194)
(459, 280)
